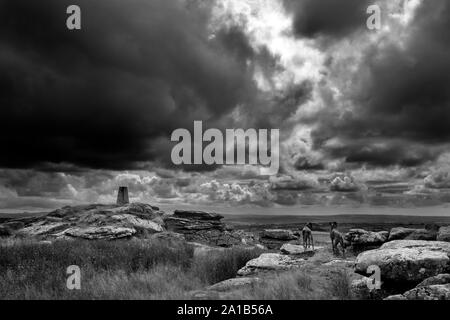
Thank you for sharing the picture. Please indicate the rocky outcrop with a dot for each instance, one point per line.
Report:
(362, 239)
(275, 238)
(203, 227)
(407, 260)
(139, 220)
(401, 233)
(444, 234)
(182, 222)
(93, 222)
(270, 262)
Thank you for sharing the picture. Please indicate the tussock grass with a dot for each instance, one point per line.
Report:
(300, 285)
(112, 269)
(148, 270)
(294, 285)
(340, 286)
(219, 266)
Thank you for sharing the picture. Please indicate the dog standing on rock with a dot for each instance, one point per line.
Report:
(336, 239)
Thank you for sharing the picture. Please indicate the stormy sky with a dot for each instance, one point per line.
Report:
(363, 114)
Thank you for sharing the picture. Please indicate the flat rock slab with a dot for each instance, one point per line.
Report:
(42, 227)
(407, 260)
(196, 215)
(337, 262)
(100, 233)
(295, 249)
(133, 221)
(270, 262)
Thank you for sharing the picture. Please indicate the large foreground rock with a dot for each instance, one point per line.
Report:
(444, 234)
(407, 260)
(270, 262)
(362, 239)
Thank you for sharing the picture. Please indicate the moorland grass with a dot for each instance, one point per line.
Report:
(146, 270)
(113, 269)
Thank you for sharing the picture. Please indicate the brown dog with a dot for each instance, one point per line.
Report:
(308, 240)
(336, 239)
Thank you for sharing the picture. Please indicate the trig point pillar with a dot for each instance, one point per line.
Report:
(122, 196)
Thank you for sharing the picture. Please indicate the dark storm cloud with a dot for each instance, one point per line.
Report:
(109, 95)
(401, 98)
(328, 18)
(303, 163)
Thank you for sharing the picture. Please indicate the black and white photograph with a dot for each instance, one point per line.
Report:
(225, 150)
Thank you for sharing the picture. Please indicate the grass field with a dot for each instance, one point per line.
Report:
(142, 270)
(112, 270)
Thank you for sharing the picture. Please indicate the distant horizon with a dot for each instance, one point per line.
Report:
(312, 210)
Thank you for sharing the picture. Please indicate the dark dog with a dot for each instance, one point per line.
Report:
(336, 239)
(308, 240)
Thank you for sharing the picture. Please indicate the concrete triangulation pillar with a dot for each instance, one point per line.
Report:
(122, 196)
